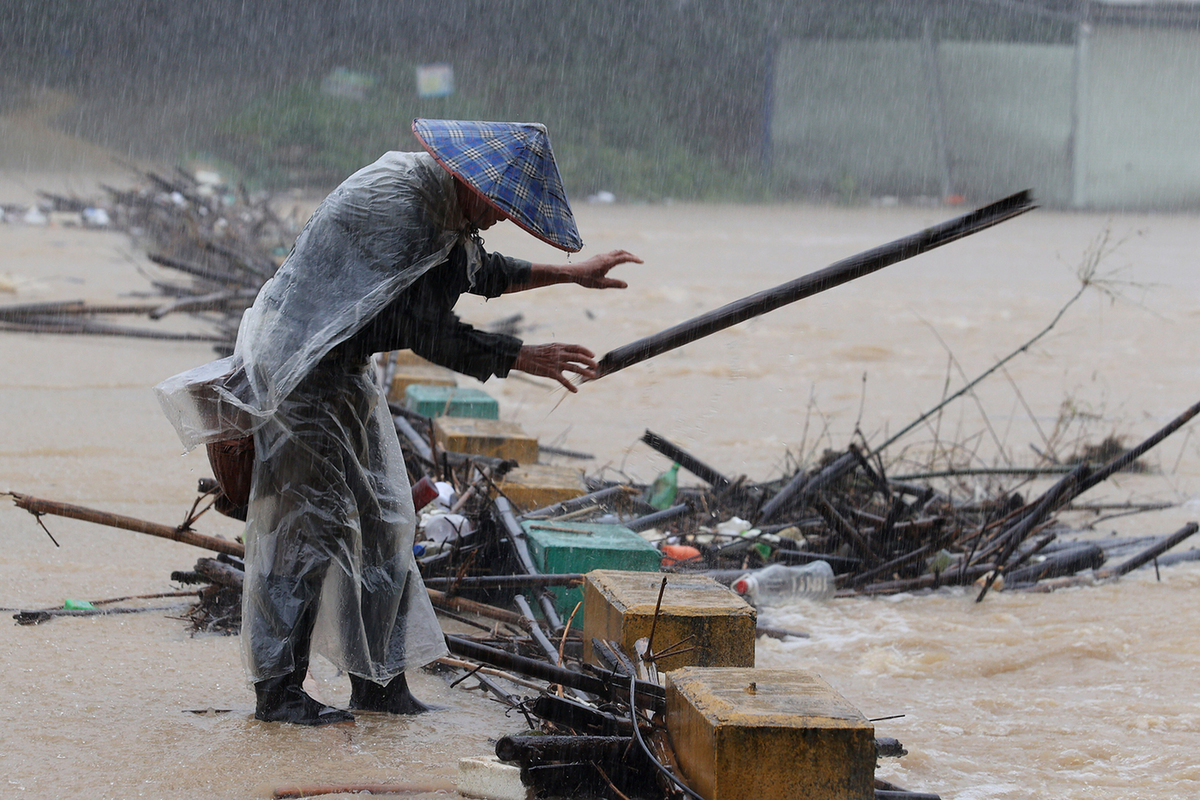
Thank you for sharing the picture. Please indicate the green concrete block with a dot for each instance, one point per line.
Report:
(450, 401)
(561, 547)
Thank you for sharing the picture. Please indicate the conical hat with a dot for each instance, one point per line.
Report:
(512, 166)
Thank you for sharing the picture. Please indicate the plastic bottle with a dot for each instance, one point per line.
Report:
(663, 491)
(779, 584)
(446, 527)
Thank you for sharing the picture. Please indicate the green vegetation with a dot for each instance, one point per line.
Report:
(301, 135)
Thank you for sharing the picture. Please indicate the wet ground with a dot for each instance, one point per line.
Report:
(1063, 695)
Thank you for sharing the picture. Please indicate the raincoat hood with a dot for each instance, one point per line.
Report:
(512, 166)
(379, 231)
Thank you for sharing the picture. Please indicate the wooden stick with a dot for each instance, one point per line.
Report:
(834, 275)
(37, 507)
(221, 573)
(37, 616)
(478, 669)
(443, 600)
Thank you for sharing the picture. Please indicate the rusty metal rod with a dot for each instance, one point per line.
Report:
(834, 275)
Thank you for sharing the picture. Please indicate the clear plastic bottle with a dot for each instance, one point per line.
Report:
(779, 584)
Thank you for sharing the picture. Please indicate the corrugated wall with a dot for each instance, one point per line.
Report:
(1008, 119)
(1141, 134)
(983, 119)
(853, 117)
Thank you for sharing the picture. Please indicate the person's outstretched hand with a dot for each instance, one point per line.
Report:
(593, 273)
(555, 360)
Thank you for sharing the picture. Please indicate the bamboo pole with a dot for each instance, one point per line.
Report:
(1150, 553)
(442, 600)
(651, 694)
(1076, 483)
(686, 460)
(804, 484)
(836, 274)
(505, 581)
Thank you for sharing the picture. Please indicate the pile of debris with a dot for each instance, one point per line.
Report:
(217, 243)
(880, 536)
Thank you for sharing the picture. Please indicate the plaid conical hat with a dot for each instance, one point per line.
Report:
(512, 166)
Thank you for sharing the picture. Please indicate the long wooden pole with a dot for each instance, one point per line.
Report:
(834, 275)
(37, 507)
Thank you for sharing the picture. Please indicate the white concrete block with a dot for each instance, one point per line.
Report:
(490, 778)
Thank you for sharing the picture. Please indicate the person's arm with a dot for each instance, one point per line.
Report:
(591, 273)
(497, 274)
(557, 359)
(453, 344)
(435, 333)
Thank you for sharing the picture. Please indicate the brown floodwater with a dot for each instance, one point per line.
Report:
(1084, 692)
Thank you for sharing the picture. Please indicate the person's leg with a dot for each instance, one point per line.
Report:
(282, 698)
(393, 697)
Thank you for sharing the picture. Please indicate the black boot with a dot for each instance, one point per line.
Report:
(283, 699)
(393, 698)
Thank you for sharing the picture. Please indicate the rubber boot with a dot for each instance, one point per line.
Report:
(283, 699)
(392, 698)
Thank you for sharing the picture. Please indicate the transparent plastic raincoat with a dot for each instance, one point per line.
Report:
(330, 525)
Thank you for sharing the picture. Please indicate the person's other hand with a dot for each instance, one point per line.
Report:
(555, 360)
(593, 273)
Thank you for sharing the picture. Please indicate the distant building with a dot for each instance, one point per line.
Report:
(1110, 120)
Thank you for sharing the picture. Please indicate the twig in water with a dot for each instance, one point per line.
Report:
(1086, 280)
(1028, 411)
(970, 389)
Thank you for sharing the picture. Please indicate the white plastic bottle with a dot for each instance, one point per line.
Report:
(779, 584)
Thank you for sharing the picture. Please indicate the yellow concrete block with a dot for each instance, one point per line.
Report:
(408, 358)
(532, 486)
(756, 734)
(619, 606)
(416, 374)
(485, 437)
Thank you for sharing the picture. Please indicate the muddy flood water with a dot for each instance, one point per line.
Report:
(1082, 693)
